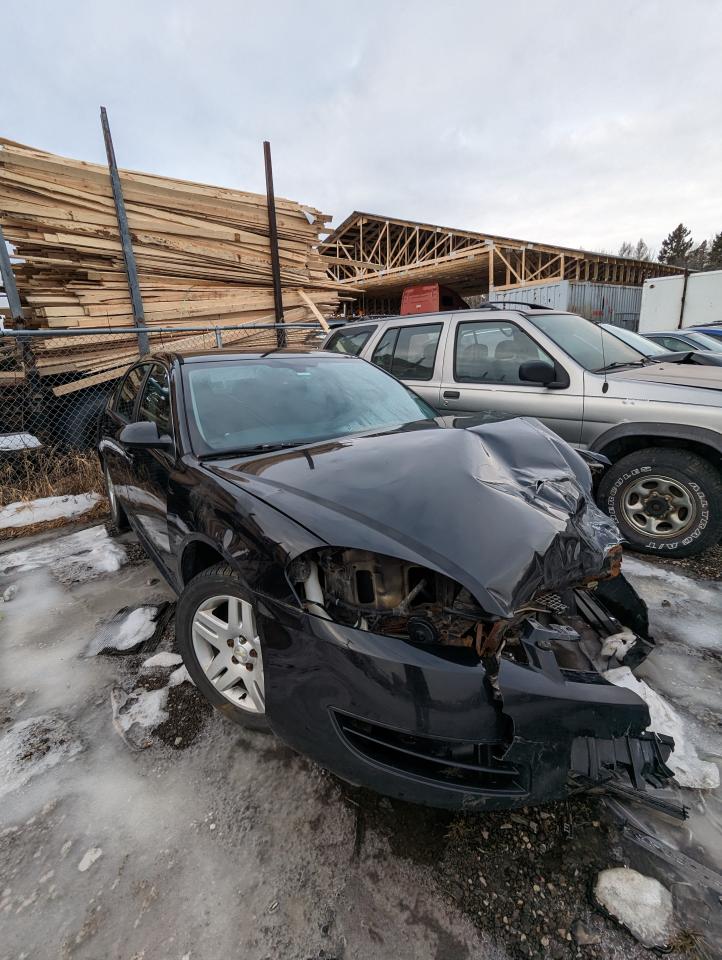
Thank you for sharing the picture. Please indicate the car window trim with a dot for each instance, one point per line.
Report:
(412, 326)
(512, 323)
(166, 371)
(116, 398)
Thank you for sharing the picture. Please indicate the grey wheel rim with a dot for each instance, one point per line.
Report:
(659, 506)
(228, 649)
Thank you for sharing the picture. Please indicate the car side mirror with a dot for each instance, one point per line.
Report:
(537, 371)
(143, 435)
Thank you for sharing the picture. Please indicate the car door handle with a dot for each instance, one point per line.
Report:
(451, 394)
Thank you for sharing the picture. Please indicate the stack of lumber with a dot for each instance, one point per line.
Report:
(202, 252)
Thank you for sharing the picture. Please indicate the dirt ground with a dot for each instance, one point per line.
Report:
(188, 837)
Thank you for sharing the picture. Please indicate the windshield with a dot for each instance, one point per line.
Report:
(648, 347)
(586, 342)
(241, 405)
(705, 341)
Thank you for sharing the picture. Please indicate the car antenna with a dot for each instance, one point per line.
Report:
(605, 385)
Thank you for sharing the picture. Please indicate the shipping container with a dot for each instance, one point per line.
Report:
(602, 302)
(669, 303)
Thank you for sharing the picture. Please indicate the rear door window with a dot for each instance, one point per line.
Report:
(349, 341)
(155, 402)
(128, 392)
(409, 353)
(492, 352)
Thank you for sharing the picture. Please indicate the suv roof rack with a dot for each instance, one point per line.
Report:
(501, 304)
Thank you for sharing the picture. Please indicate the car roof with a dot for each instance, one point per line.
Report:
(492, 311)
(202, 356)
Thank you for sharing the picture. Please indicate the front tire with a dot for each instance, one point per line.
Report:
(218, 640)
(665, 502)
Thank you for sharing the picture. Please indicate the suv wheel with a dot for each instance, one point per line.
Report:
(218, 640)
(664, 501)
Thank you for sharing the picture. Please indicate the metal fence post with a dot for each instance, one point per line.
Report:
(273, 240)
(9, 285)
(128, 255)
(219, 338)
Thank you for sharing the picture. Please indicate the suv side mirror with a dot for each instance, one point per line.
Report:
(143, 435)
(537, 371)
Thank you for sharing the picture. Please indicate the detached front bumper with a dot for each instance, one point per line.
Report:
(419, 726)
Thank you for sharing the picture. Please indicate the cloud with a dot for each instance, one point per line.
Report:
(571, 124)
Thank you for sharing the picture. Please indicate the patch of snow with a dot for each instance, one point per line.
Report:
(23, 513)
(18, 441)
(30, 747)
(74, 557)
(135, 714)
(682, 609)
(163, 659)
(689, 769)
(89, 858)
(639, 903)
(124, 631)
(179, 676)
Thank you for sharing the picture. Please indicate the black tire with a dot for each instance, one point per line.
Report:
(77, 424)
(117, 514)
(666, 479)
(217, 580)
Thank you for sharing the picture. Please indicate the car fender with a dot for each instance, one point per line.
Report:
(674, 431)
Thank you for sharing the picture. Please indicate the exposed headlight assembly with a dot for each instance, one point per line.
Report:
(386, 595)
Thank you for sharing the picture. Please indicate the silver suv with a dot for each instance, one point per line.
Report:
(659, 423)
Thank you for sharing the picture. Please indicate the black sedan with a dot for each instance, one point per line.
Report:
(409, 599)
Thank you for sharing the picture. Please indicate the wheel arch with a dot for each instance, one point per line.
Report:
(198, 555)
(627, 438)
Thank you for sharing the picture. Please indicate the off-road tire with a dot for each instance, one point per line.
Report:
(217, 580)
(698, 479)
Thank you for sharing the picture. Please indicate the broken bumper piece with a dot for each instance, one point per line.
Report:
(433, 727)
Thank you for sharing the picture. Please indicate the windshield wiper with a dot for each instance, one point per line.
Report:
(258, 448)
(622, 363)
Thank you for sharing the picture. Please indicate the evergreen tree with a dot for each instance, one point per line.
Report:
(697, 259)
(714, 254)
(676, 247)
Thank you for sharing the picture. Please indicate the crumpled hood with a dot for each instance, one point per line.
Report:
(504, 509)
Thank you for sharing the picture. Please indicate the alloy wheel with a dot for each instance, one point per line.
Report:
(659, 506)
(228, 649)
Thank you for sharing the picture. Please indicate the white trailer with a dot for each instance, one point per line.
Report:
(669, 303)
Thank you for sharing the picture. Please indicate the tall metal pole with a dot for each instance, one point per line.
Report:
(126, 243)
(9, 285)
(273, 239)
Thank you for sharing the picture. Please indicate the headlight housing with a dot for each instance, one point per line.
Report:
(386, 595)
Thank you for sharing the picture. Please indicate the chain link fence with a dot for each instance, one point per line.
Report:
(54, 385)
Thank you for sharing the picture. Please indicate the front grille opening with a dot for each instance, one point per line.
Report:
(466, 764)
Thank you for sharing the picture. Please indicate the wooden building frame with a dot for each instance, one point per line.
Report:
(382, 255)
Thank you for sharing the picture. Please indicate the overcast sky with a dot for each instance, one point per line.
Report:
(575, 123)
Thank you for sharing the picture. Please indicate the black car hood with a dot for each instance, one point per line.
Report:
(503, 508)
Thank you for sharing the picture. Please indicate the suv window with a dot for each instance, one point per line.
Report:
(155, 402)
(489, 351)
(409, 353)
(349, 341)
(125, 398)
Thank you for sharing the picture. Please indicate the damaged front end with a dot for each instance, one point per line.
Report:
(559, 731)
(451, 654)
